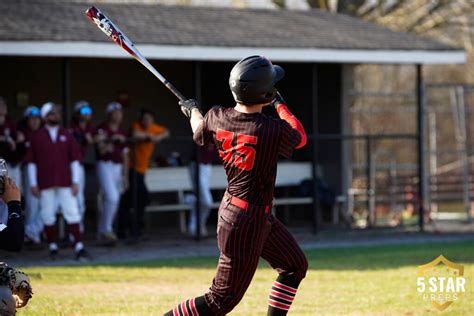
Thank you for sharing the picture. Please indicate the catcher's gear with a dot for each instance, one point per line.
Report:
(252, 80)
(7, 275)
(7, 302)
(187, 107)
(22, 290)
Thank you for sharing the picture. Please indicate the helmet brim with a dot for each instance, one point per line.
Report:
(279, 73)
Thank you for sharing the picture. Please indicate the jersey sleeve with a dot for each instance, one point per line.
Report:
(203, 135)
(289, 139)
(30, 155)
(158, 129)
(74, 148)
(11, 238)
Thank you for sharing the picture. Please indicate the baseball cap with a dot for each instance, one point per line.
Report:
(113, 106)
(32, 111)
(47, 108)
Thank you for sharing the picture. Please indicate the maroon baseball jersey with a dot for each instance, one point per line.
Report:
(22, 148)
(80, 136)
(53, 159)
(8, 129)
(249, 145)
(117, 154)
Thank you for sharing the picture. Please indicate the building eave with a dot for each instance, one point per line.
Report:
(209, 53)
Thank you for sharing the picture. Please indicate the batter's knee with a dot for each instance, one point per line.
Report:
(298, 272)
(303, 268)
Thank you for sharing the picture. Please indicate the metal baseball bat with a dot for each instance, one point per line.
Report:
(112, 31)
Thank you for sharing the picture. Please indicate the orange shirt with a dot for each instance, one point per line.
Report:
(144, 150)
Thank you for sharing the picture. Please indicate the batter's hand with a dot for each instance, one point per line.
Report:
(187, 107)
(278, 100)
(11, 193)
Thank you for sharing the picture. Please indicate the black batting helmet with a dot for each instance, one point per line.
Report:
(252, 80)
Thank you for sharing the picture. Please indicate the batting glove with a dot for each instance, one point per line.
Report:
(278, 100)
(187, 107)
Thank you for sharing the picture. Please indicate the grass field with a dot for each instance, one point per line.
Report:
(377, 280)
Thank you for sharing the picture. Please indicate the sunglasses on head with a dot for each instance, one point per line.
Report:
(34, 113)
(86, 110)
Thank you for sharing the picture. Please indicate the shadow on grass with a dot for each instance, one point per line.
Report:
(353, 258)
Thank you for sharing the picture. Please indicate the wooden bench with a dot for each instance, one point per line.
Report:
(178, 180)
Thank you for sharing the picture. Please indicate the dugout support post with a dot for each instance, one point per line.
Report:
(197, 183)
(314, 164)
(66, 90)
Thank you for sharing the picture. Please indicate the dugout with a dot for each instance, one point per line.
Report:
(50, 51)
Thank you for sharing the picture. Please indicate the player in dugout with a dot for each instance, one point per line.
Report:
(249, 144)
(145, 135)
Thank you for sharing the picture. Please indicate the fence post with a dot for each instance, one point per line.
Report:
(370, 182)
(422, 183)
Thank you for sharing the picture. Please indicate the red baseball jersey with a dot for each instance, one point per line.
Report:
(117, 154)
(249, 145)
(80, 136)
(53, 159)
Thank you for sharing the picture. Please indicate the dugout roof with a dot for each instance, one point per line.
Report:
(58, 28)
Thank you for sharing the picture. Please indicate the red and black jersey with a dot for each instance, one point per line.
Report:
(249, 145)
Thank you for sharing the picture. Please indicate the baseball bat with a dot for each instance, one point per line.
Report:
(112, 31)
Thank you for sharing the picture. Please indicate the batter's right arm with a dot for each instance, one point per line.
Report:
(286, 115)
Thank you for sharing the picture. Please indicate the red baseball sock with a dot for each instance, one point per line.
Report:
(193, 307)
(50, 231)
(282, 295)
(75, 231)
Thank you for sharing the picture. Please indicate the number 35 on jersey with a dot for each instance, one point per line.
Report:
(237, 149)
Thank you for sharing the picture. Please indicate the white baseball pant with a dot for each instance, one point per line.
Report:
(14, 172)
(51, 199)
(33, 220)
(3, 215)
(81, 203)
(110, 181)
(205, 173)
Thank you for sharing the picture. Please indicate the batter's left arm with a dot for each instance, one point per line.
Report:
(196, 119)
(191, 110)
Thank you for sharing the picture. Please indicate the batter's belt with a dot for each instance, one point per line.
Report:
(240, 203)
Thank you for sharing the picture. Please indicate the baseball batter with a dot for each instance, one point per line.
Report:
(249, 144)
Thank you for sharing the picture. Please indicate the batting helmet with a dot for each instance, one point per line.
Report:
(252, 80)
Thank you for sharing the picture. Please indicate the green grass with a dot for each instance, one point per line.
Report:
(377, 280)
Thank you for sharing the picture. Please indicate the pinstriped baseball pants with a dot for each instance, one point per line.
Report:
(245, 235)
